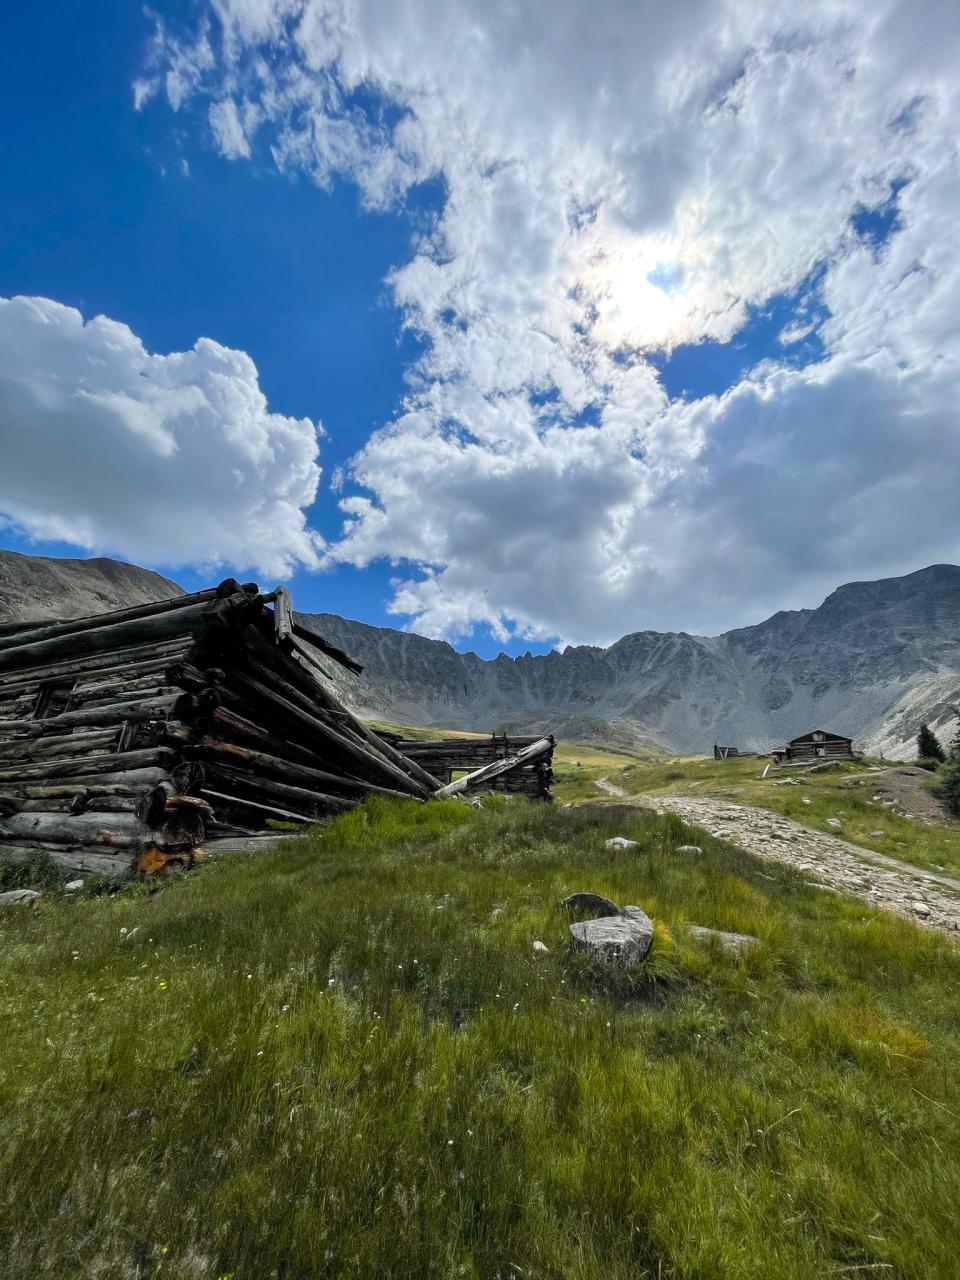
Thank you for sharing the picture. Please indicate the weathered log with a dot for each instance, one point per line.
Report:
(83, 765)
(113, 866)
(57, 745)
(131, 783)
(479, 776)
(119, 831)
(264, 810)
(229, 724)
(282, 615)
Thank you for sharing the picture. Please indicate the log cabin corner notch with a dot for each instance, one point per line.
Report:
(145, 736)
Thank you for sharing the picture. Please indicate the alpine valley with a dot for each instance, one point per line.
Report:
(873, 661)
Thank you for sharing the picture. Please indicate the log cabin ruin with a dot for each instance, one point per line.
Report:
(151, 736)
(513, 764)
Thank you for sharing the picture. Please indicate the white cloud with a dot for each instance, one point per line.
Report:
(229, 133)
(621, 176)
(167, 459)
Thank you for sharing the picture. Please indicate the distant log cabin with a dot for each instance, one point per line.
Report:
(153, 735)
(815, 745)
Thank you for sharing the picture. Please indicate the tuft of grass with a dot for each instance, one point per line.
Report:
(344, 1058)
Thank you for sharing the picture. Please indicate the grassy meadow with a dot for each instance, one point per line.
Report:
(345, 1058)
(843, 792)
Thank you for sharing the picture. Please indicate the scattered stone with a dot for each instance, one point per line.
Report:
(737, 943)
(590, 904)
(920, 908)
(805, 800)
(877, 835)
(834, 822)
(13, 896)
(541, 947)
(621, 941)
(693, 849)
(621, 842)
(73, 886)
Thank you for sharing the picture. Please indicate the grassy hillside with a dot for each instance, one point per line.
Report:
(843, 792)
(345, 1058)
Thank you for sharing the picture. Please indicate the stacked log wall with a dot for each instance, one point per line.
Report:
(131, 739)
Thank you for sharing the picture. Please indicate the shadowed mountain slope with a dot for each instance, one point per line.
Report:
(872, 661)
(41, 588)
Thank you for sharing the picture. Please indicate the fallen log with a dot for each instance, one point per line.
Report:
(93, 622)
(265, 810)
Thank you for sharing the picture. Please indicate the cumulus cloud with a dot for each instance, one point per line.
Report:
(171, 459)
(620, 179)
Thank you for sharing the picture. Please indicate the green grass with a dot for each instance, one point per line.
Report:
(843, 792)
(344, 1058)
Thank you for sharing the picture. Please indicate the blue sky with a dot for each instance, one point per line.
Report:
(593, 421)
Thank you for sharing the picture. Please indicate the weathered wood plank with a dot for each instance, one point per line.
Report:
(542, 747)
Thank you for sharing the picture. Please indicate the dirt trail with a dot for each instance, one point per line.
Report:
(609, 787)
(830, 862)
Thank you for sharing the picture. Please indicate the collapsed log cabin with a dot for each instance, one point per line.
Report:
(515, 765)
(133, 739)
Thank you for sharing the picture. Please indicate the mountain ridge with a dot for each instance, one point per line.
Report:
(875, 659)
(872, 661)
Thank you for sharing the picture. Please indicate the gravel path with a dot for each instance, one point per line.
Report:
(923, 896)
(609, 787)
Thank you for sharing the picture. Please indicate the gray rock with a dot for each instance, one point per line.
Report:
(737, 943)
(621, 842)
(689, 848)
(13, 896)
(834, 822)
(590, 904)
(920, 908)
(620, 941)
(73, 886)
(876, 835)
(541, 947)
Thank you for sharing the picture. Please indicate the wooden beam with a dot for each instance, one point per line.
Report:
(282, 615)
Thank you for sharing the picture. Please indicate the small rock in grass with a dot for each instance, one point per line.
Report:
(620, 941)
(834, 822)
(73, 886)
(805, 800)
(920, 908)
(693, 849)
(876, 835)
(13, 896)
(621, 842)
(541, 947)
(590, 904)
(737, 943)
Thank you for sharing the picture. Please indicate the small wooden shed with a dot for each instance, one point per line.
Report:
(514, 764)
(818, 744)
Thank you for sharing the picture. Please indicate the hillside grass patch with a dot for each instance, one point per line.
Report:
(344, 1058)
(843, 792)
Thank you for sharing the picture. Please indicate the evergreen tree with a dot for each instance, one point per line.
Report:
(949, 785)
(928, 745)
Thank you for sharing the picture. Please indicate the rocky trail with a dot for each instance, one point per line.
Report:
(828, 861)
